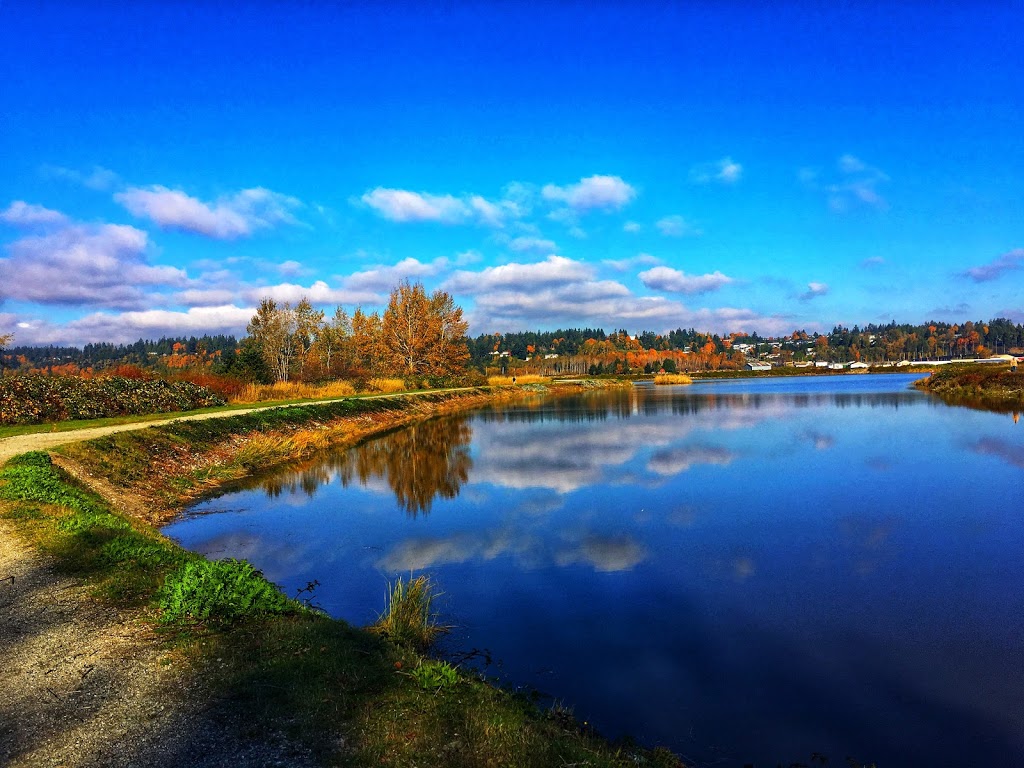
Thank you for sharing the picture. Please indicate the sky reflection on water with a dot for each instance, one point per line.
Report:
(746, 571)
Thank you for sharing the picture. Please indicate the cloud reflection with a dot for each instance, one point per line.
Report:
(603, 553)
(1011, 453)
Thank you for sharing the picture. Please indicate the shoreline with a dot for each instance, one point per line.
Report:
(264, 669)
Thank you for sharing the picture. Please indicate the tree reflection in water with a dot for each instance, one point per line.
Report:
(420, 463)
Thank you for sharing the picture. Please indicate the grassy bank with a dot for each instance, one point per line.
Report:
(989, 387)
(351, 696)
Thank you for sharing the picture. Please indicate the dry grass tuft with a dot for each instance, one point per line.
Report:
(672, 378)
(386, 385)
(293, 390)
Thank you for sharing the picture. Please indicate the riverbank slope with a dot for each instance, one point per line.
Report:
(277, 683)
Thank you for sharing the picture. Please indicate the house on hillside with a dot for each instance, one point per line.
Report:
(757, 366)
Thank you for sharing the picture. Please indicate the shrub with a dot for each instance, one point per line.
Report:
(36, 398)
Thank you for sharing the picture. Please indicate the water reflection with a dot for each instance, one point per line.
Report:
(776, 566)
(419, 464)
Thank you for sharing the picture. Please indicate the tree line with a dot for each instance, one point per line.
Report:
(424, 335)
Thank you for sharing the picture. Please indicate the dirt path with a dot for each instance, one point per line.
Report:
(83, 683)
(44, 441)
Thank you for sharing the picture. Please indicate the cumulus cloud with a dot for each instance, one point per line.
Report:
(554, 270)
(22, 214)
(814, 290)
(675, 281)
(677, 226)
(724, 171)
(230, 217)
(384, 278)
(1010, 261)
(593, 192)
(101, 266)
(632, 227)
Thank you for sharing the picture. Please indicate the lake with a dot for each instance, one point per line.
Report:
(745, 571)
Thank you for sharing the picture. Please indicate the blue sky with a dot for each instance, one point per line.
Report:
(646, 166)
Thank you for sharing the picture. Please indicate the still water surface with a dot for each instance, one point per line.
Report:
(744, 571)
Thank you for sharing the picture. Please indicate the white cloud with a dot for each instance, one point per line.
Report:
(554, 270)
(127, 327)
(640, 260)
(677, 226)
(539, 244)
(724, 171)
(601, 192)
(230, 217)
(93, 265)
(205, 297)
(384, 278)
(872, 261)
(632, 227)
(675, 281)
(814, 290)
(403, 205)
(317, 293)
(22, 214)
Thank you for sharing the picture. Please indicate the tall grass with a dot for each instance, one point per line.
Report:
(409, 616)
(293, 390)
(526, 378)
(386, 386)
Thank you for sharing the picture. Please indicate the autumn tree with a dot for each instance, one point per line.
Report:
(273, 330)
(5, 339)
(423, 335)
(366, 342)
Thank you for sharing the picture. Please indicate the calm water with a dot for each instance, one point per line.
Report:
(744, 571)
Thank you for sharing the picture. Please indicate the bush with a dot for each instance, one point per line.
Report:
(35, 398)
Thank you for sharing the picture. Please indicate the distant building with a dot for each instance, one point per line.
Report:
(758, 366)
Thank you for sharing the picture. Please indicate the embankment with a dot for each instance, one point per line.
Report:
(987, 387)
(278, 683)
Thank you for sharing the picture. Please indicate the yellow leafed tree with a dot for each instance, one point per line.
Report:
(423, 335)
